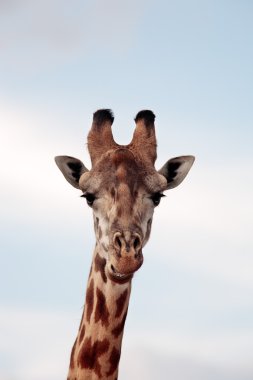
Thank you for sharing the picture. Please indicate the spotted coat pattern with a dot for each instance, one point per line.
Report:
(122, 187)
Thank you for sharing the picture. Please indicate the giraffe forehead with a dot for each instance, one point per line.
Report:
(127, 168)
(112, 170)
(120, 171)
(127, 181)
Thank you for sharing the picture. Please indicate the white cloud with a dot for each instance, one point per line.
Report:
(31, 184)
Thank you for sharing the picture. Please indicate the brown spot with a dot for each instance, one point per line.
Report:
(121, 303)
(100, 264)
(99, 232)
(114, 361)
(119, 212)
(82, 334)
(120, 327)
(72, 363)
(89, 354)
(89, 300)
(101, 313)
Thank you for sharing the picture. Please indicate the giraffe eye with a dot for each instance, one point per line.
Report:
(156, 198)
(90, 198)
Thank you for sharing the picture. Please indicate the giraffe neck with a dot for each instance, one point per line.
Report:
(96, 351)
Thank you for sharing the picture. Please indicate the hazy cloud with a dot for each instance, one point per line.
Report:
(36, 34)
(30, 338)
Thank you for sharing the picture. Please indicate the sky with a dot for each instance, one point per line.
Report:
(191, 309)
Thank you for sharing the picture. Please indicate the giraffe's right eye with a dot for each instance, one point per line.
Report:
(90, 198)
(156, 198)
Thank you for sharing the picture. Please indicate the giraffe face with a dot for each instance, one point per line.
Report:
(123, 188)
(123, 203)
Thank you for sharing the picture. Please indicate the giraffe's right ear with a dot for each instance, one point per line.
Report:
(71, 168)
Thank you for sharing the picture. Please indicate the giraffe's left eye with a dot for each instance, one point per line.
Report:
(156, 198)
(90, 198)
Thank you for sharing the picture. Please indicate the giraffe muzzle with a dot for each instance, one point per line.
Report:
(126, 257)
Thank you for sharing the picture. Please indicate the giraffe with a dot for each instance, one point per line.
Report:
(122, 188)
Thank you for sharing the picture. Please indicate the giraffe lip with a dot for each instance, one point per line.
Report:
(119, 275)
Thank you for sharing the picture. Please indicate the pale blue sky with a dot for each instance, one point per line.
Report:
(191, 62)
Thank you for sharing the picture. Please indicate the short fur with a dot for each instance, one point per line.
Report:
(123, 188)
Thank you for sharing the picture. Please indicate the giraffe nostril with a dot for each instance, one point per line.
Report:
(126, 243)
(117, 241)
(136, 242)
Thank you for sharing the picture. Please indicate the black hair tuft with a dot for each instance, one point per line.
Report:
(147, 115)
(100, 116)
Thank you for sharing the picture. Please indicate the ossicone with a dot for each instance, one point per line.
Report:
(100, 138)
(144, 139)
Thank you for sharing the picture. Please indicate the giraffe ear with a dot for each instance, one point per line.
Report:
(176, 169)
(71, 168)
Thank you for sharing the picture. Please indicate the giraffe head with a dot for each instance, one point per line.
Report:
(123, 188)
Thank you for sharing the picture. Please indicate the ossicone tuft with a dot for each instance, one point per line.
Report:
(146, 115)
(103, 115)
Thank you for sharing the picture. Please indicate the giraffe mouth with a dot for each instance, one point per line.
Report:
(119, 277)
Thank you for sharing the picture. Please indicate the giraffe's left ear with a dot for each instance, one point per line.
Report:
(71, 168)
(176, 169)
